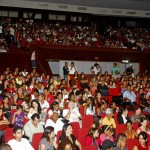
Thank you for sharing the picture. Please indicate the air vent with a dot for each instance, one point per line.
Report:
(63, 6)
(117, 11)
(82, 8)
(102, 11)
(147, 14)
(131, 12)
(43, 4)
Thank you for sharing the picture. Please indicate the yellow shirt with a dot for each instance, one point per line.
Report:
(110, 122)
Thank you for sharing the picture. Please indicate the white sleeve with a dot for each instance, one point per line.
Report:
(28, 145)
(65, 112)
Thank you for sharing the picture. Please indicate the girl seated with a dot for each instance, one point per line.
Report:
(107, 133)
(48, 142)
(67, 133)
(92, 138)
(129, 132)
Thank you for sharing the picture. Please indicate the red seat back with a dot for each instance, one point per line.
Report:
(59, 133)
(131, 143)
(135, 125)
(120, 128)
(36, 140)
(75, 125)
(81, 110)
(130, 113)
(91, 147)
(87, 121)
(114, 92)
(8, 133)
(83, 132)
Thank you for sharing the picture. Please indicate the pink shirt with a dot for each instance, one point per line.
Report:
(103, 138)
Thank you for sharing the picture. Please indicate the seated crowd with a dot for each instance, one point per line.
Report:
(32, 104)
(27, 32)
(125, 37)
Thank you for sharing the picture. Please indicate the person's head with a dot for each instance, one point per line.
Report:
(72, 97)
(93, 133)
(55, 116)
(143, 122)
(113, 105)
(17, 132)
(5, 100)
(55, 106)
(107, 145)
(142, 137)
(123, 111)
(109, 113)
(67, 129)
(129, 125)
(71, 105)
(138, 111)
(106, 130)
(19, 90)
(97, 120)
(41, 97)
(49, 133)
(72, 64)
(35, 119)
(66, 64)
(129, 87)
(98, 94)
(59, 95)
(121, 138)
(114, 65)
(36, 105)
(65, 145)
(19, 109)
(5, 147)
(35, 92)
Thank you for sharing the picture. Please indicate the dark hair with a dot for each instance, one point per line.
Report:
(121, 110)
(39, 106)
(144, 135)
(65, 128)
(91, 132)
(36, 115)
(19, 107)
(48, 130)
(78, 92)
(129, 121)
(121, 135)
(63, 144)
(70, 95)
(96, 120)
(5, 147)
(143, 118)
(58, 94)
(36, 90)
(15, 129)
(53, 104)
(105, 128)
(93, 103)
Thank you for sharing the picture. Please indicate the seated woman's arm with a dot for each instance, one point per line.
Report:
(78, 144)
(42, 147)
(4, 121)
(135, 148)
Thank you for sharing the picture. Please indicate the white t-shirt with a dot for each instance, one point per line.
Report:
(1, 29)
(72, 70)
(23, 145)
(44, 105)
(57, 126)
(74, 116)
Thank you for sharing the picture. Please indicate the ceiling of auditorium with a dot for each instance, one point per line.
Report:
(119, 4)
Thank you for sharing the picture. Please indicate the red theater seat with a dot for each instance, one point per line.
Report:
(36, 140)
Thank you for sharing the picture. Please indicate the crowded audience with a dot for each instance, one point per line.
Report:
(31, 105)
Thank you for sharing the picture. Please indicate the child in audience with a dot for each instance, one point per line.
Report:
(18, 117)
(129, 132)
(92, 138)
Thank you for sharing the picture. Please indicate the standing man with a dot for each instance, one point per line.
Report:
(72, 68)
(114, 69)
(66, 71)
(33, 60)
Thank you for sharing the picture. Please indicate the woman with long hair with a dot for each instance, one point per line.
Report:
(142, 142)
(48, 141)
(67, 133)
(35, 108)
(92, 138)
(143, 127)
(65, 145)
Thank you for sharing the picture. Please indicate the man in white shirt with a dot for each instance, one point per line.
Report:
(19, 143)
(71, 114)
(55, 122)
(72, 68)
(129, 97)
